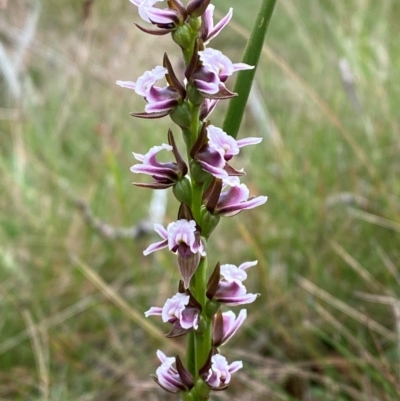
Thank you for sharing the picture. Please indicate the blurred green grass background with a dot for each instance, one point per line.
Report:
(327, 326)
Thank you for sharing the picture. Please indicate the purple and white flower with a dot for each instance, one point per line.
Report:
(160, 101)
(236, 198)
(182, 238)
(215, 70)
(145, 7)
(221, 65)
(230, 290)
(164, 174)
(225, 325)
(219, 374)
(170, 378)
(208, 30)
(177, 311)
(233, 293)
(225, 144)
(145, 82)
(220, 148)
(231, 272)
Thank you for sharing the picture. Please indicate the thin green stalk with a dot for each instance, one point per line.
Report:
(190, 355)
(237, 105)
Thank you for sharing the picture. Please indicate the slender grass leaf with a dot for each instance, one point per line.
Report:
(234, 114)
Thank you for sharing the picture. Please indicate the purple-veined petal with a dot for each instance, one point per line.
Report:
(232, 210)
(161, 99)
(164, 174)
(235, 366)
(231, 272)
(222, 142)
(236, 199)
(190, 318)
(127, 84)
(232, 181)
(210, 88)
(213, 31)
(211, 160)
(215, 61)
(145, 82)
(233, 196)
(155, 247)
(233, 293)
(160, 172)
(177, 312)
(167, 376)
(143, 7)
(242, 66)
(163, 358)
(174, 306)
(215, 171)
(207, 23)
(181, 231)
(248, 141)
(161, 231)
(162, 106)
(246, 265)
(230, 325)
(220, 372)
(153, 311)
(162, 17)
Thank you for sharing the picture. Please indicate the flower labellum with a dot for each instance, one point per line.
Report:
(182, 238)
(178, 311)
(170, 378)
(219, 374)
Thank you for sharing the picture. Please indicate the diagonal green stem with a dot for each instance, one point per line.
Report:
(237, 105)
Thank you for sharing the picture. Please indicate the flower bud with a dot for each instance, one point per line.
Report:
(208, 222)
(194, 95)
(196, 8)
(183, 36)
(182, 115)
(211, 308)
(183, 191)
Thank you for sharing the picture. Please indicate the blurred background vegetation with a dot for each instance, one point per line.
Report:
(326, 101)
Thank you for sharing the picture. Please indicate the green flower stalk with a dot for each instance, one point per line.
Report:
(207, 188)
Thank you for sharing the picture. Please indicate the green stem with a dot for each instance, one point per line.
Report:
(203, 343)
(190, 356)
(236, 107)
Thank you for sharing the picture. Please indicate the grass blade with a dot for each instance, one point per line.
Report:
(244, 79)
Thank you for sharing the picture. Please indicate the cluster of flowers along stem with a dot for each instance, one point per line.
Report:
(206, 186)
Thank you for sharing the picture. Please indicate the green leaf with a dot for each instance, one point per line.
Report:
(234, 114)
